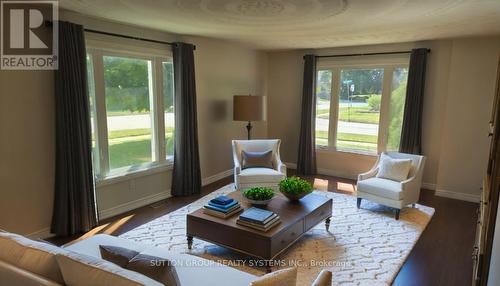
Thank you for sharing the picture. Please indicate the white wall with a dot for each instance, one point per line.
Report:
(27, 130)
(460, 76)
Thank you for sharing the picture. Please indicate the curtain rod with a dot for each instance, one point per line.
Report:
(368, 54)
(49, 23)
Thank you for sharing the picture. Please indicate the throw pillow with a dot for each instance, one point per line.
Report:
(284, 277)
(257, 159)
(118, 255)
(82, 270)
(393, 169)
(156, 268)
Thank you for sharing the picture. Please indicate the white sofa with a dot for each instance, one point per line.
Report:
(258, 177)
(191, 270)
(25, 262)
(392, 193)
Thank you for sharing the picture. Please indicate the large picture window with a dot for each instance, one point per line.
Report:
(360, 106)
(132, 111)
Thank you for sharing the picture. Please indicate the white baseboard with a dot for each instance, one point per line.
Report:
(458, 196)
(216, 177)
(42, 233)
(429, 186)
(128, 206)
(107, 213)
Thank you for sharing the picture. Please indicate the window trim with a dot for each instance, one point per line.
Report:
(335, 66)
(160, 161)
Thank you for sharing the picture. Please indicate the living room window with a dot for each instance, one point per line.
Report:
(132, 111)
(359, 106)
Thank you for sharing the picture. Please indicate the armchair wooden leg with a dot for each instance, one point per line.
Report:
(413, 205)
(358, 203)
(397, 214)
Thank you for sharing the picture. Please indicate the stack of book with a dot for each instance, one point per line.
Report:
(222, 207)
(258, 219)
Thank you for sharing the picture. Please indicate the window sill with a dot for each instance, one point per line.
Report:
(345, 151)
(128, 173)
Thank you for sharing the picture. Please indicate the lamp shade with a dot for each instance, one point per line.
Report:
(248, 108)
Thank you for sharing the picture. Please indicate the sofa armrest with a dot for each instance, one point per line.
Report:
(324, 278)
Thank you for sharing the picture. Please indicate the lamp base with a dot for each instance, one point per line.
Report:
(249, 129)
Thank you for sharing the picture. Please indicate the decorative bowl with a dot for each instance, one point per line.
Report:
(295, 197)
(295, 188)
(255, 202)
(258, 195)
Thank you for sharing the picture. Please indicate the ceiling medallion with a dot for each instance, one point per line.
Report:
(258, 7)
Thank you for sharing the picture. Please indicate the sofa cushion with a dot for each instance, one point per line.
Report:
(284, 277)
(381, 187)
(257, 159)
(159, 269)
(393, 169)
(260, 175)
(190, 269)
(33, 256)
(80, 270)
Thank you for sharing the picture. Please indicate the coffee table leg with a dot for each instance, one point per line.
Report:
(190, 242)
(327, 224)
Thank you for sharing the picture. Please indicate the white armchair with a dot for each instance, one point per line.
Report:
(392, 193)
(258, 177)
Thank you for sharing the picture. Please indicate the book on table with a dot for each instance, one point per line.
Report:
(256, 215)
(222, 210)
(222, 214)
(260, 227)
(222, 207)
(222, 200)
(225, 207)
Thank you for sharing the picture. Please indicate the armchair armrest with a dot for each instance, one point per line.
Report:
(281, 167)
(237, 166)
(370, 174)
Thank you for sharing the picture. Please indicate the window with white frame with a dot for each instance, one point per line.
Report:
(132, 110)
(360, 105)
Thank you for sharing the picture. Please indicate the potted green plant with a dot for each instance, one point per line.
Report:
(295, 188)
(258, 195)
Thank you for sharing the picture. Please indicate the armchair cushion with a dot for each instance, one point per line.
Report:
(257, 159)
(260, 175)
(393, 169)
(381, 187)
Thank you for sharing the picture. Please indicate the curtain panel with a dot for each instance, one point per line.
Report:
(74, 198)
(306, 162)
(186, 177)
(411, 132)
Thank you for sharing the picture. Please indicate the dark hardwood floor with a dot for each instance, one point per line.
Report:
(442, 256)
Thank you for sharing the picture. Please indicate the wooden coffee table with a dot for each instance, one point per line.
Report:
(296, 219)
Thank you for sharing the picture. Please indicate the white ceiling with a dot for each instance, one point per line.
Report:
(286, 24)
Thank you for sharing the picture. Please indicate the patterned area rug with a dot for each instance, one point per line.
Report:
(364, 246)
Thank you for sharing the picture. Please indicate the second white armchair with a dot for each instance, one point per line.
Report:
(245, 178)
(392, 193)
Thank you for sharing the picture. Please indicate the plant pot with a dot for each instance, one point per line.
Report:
(261, 203)
(295, 197)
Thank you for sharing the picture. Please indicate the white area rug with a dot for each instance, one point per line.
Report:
(364, 246)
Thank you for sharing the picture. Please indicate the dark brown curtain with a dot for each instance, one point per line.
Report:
(411, 133)
(74, 200)
(306, 162)
(186, 177)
